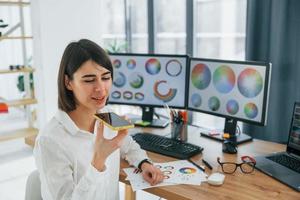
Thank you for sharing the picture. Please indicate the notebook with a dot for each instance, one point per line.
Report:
(285, 166)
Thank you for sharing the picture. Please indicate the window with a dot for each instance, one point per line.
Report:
(139, 26)
(113, 25)
(220, 27)
(170, 26)
(125, 27)
(217, 31)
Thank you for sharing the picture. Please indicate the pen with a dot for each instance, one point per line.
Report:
(207, 164)
(214, 134)
(199, 167)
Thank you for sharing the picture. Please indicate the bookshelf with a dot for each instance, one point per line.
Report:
(28, 100)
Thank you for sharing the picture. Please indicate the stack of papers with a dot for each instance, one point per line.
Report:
(176, 172)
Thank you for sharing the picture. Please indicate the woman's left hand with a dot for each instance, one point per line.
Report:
(151, 174)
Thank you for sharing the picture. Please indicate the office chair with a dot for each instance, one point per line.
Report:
(33, 187)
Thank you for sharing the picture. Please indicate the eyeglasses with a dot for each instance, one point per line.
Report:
(247, 165)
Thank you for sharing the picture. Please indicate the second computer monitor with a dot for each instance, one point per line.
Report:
(235, 90)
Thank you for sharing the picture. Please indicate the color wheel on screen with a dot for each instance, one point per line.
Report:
(224, 79)
(250, 83)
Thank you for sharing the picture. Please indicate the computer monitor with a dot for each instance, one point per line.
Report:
(149, 80)
(235, 90)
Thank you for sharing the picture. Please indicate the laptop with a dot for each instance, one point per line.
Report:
(285, 166)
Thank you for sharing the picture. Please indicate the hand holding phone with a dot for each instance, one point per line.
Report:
(114, 121)
(105, 147)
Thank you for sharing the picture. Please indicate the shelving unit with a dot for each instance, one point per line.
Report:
(23, 133)
(29, 132)
(20, 102)
(14, 3)
(25, 69)
(15, 37)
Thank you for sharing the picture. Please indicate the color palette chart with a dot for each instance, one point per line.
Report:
(227, 88)
(149, 79)
(176, 172)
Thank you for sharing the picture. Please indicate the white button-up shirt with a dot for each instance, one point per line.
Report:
(63, 155)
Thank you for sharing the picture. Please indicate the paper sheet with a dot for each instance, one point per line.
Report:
(176, 172)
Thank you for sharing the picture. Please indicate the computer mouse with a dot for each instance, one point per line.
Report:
(229, 147)
(216, 179)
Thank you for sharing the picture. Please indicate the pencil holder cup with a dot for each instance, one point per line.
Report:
(179, 131)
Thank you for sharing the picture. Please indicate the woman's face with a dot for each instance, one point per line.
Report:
(91, 85)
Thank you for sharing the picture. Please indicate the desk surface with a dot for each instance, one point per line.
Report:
(236, 186)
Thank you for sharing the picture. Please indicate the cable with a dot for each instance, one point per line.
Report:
(238, 130)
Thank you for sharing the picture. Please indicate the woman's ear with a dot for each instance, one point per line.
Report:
(67, 83)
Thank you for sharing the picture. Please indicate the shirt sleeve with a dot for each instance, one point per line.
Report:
(56, 174)
(132, 152)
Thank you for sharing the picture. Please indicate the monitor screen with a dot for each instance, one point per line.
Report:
(294, 139)
(149, 80)
(231, 89)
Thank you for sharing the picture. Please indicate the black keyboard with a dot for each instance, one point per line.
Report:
(286, 161)
(166, 146)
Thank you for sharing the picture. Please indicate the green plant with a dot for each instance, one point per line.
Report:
(20, 83)
(117, 47)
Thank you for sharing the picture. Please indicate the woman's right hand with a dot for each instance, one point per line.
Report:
(104, 147)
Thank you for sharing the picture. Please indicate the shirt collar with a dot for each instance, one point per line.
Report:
(67, 122)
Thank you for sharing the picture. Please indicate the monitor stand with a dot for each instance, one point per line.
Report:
(147, 119)
(230, 127)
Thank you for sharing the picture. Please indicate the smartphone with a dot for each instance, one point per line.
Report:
(114, 121)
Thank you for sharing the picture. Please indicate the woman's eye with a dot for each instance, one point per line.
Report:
(89, 81)
(106, 78)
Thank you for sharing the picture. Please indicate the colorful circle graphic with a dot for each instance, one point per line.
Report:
(187, 170)
(251, 110)
(164, 93)
(120, 79)
(131, 63)
(166, 172)
(136, 80)
(153, 66)
(201, 76)
(139, 96)
(173, 67)
(127, 95)
(116, 95)
(224, 79)
(168, 167)
(196, 100)
(214, 103)
(232, 107)
(117, 63)
(250, 83)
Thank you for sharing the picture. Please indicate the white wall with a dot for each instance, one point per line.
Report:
(55, 23)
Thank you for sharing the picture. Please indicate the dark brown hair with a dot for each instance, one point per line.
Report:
(75, 54)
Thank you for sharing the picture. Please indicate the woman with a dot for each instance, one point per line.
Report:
(77, 157)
